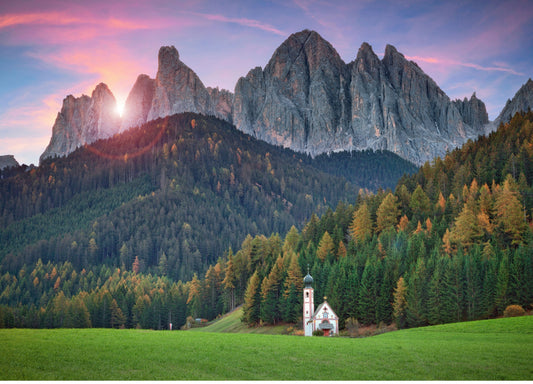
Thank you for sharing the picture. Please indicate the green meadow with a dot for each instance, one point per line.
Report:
(500, 349)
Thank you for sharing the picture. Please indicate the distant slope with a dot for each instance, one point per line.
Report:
(176, 193)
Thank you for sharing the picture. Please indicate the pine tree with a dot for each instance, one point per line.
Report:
(368, 295)
(229, 281)
(136, 265)
(419, 204)
(387, 213)
(194, 299)
(435, 294)
(386, 290)
(163, 264)
(293, 286)
(117, 316)
(441, 203)
(271, 294)
(417, 295)
(466, 230)
(502, 283)
(341, 250)
(403, 224)
(510, 218)
(473, 284)
(325, 247)
(361, 226)
(452, 290)
(251, 309)
(400, 304)
(291, 240)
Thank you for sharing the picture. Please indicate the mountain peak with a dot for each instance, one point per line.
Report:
(83, 120)
(138, 103)
(521, 102)
(168, 54)
(366, 53)
(391, 51)
(304, 49)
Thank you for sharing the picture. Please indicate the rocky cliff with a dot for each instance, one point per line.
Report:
(309, 100)
(521, 102)
(83, 120)
(175, 89)
(138, 103)
(7, 161)
(473, 112)
(306, 98)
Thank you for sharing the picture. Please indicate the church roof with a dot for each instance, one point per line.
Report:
(308, 280)
(321, 308)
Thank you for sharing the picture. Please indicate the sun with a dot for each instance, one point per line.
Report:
(120, 108)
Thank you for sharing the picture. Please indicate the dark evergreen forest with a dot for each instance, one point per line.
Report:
(167, 199)
(452, 242)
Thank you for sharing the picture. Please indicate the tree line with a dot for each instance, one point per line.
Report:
(450, 243)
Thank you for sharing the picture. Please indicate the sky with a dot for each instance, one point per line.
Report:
(51, 48)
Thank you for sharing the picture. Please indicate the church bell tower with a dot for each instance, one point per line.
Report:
(309, 305)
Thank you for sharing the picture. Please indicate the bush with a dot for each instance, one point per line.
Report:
(513, 311)
(352, 327)
(318, 332)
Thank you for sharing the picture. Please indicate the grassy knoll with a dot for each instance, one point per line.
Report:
(499, 349)
(231, 323)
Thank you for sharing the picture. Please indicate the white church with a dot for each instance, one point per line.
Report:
(323, 318)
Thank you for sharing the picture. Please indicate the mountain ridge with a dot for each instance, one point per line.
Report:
(307, 99)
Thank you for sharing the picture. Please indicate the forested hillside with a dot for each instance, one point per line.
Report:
(184, 189)
(452, 242)
(166, 199)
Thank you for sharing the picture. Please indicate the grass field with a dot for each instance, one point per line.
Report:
(231, 323)
(499, 349)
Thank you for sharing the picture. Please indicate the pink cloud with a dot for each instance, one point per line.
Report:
(64, 18)
(109, 63)
(55, 18)
(449, 62)
(64, 27)
(244, 22)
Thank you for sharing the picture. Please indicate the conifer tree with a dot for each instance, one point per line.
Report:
(252, 301)
(466, 230)
(400, 303)
(502, 283)
(403, 224)
(361, 226)
(291, 240)
(489, 282)
(368, 294)
(510, 218)
(271, 293)
(387, 213)
(419, 204)
(452, 290)
(325, 247)
(473, 283)
(229, 281)
(194, 299)
(117, 316)
(435, 294)
(341, 250)
(417, 295)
